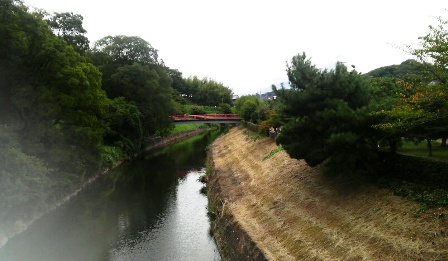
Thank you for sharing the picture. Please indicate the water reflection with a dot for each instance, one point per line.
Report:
(150, 209)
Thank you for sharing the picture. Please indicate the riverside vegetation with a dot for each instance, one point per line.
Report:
(79, 110)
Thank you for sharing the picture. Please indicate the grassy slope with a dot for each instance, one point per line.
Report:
(421, 150)
(294, 213)
(178, 128)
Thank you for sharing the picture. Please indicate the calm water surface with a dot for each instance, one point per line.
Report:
(149, 209)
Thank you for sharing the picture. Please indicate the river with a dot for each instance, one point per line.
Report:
(147, 209)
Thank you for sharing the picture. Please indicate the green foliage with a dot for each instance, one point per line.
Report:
(199, 109)
(178, 82)
(422, 180)
(196, 110)
(251, 126)
(408, 68)
(25, 181)
(111, 155)
(419, 113)
(207, 92)
(251, 108)
(273, 152)
(75, 117)
(274, 121)
(416, 108)
(420, 149)
(428, 196)
(328, 115)
(130, 70)
(186, 127)
(253, 135)
(433, 52)
(225, 108)
(53, 90)
(415, 169)
(124, 126)
(69, 27)
(124, 50)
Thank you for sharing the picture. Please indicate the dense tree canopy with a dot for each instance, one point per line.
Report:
(56, 95)
(130, 70)
(69, 27)
(417, 111)
(123, 49)
(408, 68)
(207, 92)
(327, 114)
(251, 108)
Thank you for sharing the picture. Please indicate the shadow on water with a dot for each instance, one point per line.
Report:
(148, 209)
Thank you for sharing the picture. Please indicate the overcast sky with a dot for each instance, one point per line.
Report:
(245, 44)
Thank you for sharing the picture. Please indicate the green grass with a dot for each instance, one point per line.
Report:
(421, 150)
(186, 127)
(273, 152)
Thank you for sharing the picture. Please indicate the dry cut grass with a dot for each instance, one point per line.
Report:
(293, 212)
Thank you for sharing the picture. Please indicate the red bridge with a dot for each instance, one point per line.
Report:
(206, 118)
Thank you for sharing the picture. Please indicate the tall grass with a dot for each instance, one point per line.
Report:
(186, 127)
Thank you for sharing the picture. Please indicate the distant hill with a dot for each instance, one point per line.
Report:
(405, 69)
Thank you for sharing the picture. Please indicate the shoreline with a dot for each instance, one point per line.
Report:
(20, 226)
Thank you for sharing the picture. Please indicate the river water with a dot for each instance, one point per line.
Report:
(148, 209)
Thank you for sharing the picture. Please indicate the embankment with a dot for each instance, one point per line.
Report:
(13, 228)
(266, 205)
(161, 142)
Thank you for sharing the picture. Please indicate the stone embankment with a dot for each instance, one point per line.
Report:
(267, 206)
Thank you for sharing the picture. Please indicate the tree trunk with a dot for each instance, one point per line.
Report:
(429, 147)
(393, 146)
(443, 145)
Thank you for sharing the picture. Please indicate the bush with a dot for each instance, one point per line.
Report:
(197, 110)
(415, 170)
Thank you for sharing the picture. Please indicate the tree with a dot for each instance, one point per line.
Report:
(124, 126)
(53, 90)
(328, 117)
(389, 110)
(207, 92)
(433, 54)
(419, 114)
(420, 111)
(178, 82)
(130, 70)
(123, 49)
(68, 26)
(149, 89)
(251, 108)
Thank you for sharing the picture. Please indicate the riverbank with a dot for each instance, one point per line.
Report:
(281, 209)
(159, 142)
(147, 209)
(9, 230)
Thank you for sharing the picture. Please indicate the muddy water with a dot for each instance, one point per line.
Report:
(149, 209)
